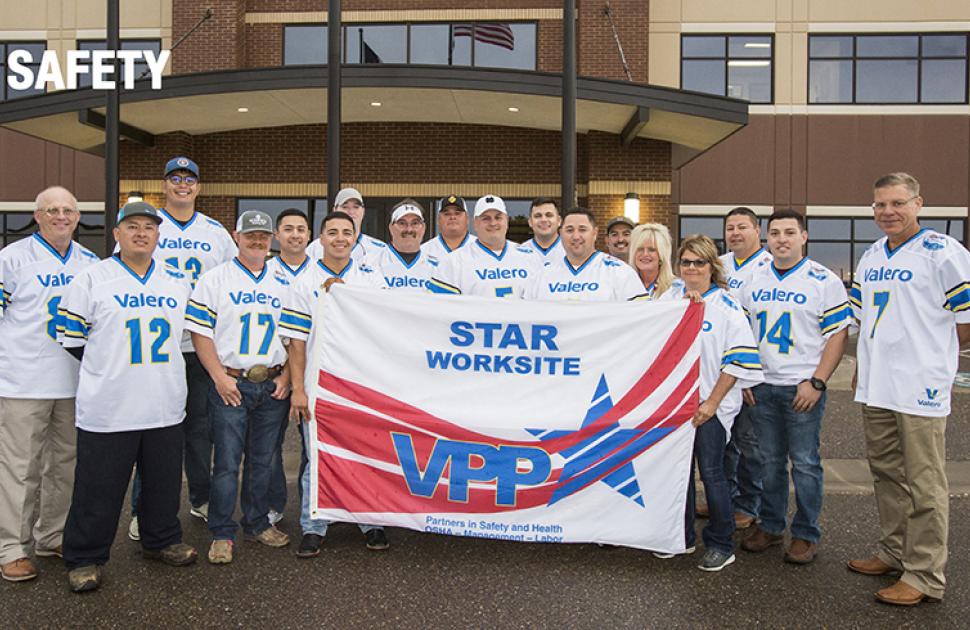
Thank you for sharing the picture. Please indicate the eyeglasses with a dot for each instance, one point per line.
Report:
(183, 179)
(692, 263)
(65, 211)
(896, 203)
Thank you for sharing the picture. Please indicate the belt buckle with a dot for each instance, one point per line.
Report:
(257, 374)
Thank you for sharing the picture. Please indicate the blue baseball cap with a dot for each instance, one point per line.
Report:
(138, 209)
(181, 163)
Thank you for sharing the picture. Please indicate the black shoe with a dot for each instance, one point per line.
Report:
(310, 546)
(376, 540)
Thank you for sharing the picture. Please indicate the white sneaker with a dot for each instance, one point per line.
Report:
(201, 512)
(668, 556)
(133, 532)
(274, 517)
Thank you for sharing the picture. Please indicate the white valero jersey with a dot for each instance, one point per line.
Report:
(793, 316)
(727, 345)
(907, 302)
(364, 247)
(400, 275)
(296, 321)
(477, 270)
(738, 271)
(285, 274)
(194, 248)
(33, 280)
(602, 278)
(132, 374)
(547, 254)
(438, 249)
(240, 312)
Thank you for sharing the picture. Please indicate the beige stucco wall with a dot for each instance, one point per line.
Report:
(791, 21)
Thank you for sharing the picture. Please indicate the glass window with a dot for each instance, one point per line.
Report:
(90, 232)
(739, 66)
(141, 68)
(907, 68)
(826, 229)
(376, 44)
(835, 256)
(503, 45)
(304, 45)
(435, 44)
(36, 50)
(15, 226)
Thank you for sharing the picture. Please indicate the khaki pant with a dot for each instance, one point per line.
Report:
(907, 457)
(37, 452)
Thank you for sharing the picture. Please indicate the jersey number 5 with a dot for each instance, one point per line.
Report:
(158, 326)
(779, 333)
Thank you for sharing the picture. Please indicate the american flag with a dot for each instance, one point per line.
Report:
(495, 34)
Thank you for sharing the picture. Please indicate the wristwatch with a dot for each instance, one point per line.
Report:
(817, 383)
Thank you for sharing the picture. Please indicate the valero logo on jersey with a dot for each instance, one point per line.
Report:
(254, 297)
(932, 399)
(778, 295)
(139, 300)
(881, 274)
(404, 282)
(501, 274)
(183, 243)
(55, 280)
(573, 287)
(507, 337)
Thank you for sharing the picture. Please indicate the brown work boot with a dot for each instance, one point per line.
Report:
(742, 520)
(175, 555)
(20, 570)
(801, 552)
(84, 579)
(760, 540)
(870, 566)
(902, 594)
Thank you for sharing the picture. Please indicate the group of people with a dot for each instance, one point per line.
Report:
(191, 343)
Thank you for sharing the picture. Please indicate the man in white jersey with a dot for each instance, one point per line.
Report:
(296, 323)
(742, 461)
(452, 228)
(38, 381)
(491, 266)
(544, 221)
(801, 314)
(293, 234)
(403, 264)
(618, 232)
(193, 243)
(123, 318)
(582, 273)
(911, 300)
(350, 201)
(233, 317)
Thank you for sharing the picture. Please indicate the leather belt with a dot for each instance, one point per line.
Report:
(256, 374)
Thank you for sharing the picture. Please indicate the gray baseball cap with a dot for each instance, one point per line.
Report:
(138, 209)
(254, 221)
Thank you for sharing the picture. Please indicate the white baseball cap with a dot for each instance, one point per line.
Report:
(346, 194)
(489, 202)
(406, 209)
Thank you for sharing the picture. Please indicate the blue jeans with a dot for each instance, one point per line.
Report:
(251, 429)
(787, 435)
(307, 524)
(744, 465)
(277, 481)
(710, 440)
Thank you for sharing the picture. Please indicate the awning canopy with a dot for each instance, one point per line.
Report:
(209, 102)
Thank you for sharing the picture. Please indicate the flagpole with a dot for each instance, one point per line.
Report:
(333, 99)
(569, 104)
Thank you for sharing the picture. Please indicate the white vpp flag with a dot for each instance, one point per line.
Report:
(532, 421)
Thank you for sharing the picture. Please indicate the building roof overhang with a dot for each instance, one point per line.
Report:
(208, 102)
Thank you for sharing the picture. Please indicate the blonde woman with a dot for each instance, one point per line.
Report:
(729, 361)
(650, 255)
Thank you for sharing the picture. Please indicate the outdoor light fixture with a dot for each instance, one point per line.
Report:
(135, 195)
(631, 207)
(513, 109)
(242, 110)
(375, 104)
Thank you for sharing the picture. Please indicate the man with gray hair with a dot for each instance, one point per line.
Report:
(38, 381)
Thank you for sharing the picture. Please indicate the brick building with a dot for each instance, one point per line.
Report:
(441, 98)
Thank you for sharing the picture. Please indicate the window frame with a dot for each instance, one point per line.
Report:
(407, 43)
(5, 89)
(727, 58)
(854, 58)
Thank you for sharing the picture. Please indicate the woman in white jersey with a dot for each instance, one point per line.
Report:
(650, 255)
(729, 361)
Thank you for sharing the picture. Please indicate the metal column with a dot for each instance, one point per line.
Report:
(111, 137)
(568, 104)
(333, 99)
